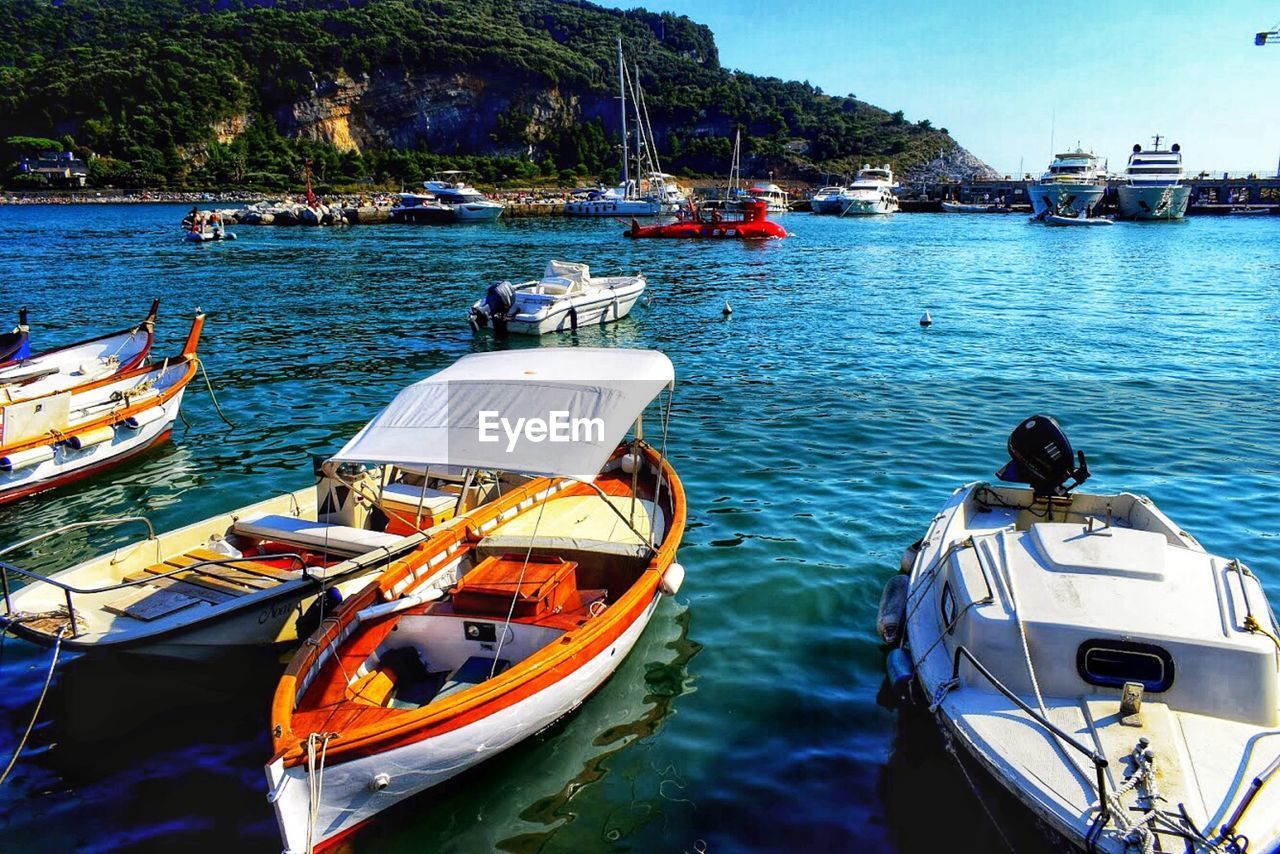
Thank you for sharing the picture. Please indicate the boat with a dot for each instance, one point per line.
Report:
(16, 345)
(418, 209)
(776, 198)
(974, 207)
(1153, 187)
(208, 234)
(1249, 211)
(261, 575)
(509, 617)
(1074, 184)
(624, 199)
(565, 298)
(751, 224)
(827, 200)
(1055, 219)
(1093, 658)
(466, 203)
(204, 226)
(68, 434)
(84, 362)
(871, 192)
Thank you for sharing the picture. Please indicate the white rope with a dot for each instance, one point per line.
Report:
(1026, 650)
(48, 679)
(315, 782)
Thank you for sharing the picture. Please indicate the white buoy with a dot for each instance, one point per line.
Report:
(926, 321)
(727, 310)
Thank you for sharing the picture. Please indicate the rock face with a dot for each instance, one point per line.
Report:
(954, 164)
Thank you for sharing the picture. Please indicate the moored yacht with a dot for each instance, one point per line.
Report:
(1088, 653)
(467, 203)
(870, 193)
(1154, 188)
(827, 200)
(1073, 185)
(775, 198)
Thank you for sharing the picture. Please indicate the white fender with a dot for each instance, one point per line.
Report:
(89, 438)
(26, 459)
(672, 579)
(145, 417)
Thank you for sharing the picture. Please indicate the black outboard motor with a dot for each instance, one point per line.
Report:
(498, 301)
(1040, 455)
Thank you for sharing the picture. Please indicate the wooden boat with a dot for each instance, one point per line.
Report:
(1055, 219)
(246, 578)
(16, 345)
(1092, 657)
(565, 298)
(68, 434)
(77, 364)
(752, 225)
(506, 619)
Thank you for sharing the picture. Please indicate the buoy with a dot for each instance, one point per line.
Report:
(926, 321)
(727, 310)
(893, 609)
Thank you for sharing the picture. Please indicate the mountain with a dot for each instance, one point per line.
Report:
(236, 92)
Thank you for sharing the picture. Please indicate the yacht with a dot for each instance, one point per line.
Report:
(467, 203)
(1153, 188)
(870, 193)
(776, 198)
(1074, 183)
(827, 200)
(419, 208)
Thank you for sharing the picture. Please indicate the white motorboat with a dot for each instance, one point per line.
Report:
(466, 203)
(775, 198)
(565, 298)
(1056, 220)
(1154, 188)
(871, 193)
(1073, 185)
(1088, 653)
(827, 200)
(974, 207)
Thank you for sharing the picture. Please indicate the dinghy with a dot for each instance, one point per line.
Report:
(77, 364)
(252, 577)
(509, 617)
(565, 298)
(1090, 655)
(68, 434)
(1055, 219)
(974, 207)
(16, 345)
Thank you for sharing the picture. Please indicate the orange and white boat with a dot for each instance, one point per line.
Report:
(508, 617)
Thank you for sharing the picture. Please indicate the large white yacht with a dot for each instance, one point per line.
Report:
(870, 193)
(1154, 189)
(1074, 183)
(466, 203)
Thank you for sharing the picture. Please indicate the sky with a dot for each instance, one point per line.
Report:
(1012, 80)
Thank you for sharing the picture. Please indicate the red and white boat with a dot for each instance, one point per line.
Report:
(754, 224)
(70, 433)
(508, 617)
(62, 368)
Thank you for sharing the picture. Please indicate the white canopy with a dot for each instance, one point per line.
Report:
(553, 411)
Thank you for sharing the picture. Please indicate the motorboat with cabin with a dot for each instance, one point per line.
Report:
(1092, 657)
(260, 575)
(1153, 187)
(567, 297)
(508, 618)
(827, 200)
(622, 200)
(16, 345)
(775, 198)
(871, 193)
(419, 209)
(1072, 187)
(752, 223)
(76, 429)
(466, 203)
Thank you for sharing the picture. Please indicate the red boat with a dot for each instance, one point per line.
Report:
(754, 224)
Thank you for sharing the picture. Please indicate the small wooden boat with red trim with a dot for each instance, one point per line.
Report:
(502, 622)
(71, 433)
(754, 224)
(16, 345)
(27, 377)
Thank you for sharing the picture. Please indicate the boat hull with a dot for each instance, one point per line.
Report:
(1060, 198)
(1154, 203)
(477, 212)
(867, 207)
(348, 797)
(830, 205)
(728, 230)
(1077, 221)
(596, 311)
(613, 207)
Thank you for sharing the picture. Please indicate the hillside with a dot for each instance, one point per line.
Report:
(238, 92)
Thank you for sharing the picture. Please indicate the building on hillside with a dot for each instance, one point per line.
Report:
(60, 169)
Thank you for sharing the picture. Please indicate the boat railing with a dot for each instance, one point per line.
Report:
(71, 590)
(1099, 761)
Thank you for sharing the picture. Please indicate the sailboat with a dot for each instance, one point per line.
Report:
(624, 199)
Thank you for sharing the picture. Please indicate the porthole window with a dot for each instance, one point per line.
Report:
(948, 602)
(1111, 663)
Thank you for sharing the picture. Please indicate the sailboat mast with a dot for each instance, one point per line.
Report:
(622, 92)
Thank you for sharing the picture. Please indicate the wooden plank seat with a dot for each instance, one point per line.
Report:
(148, 602)
(244, 576)
(213, 597)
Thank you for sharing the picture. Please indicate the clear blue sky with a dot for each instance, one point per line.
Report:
(1000, 75)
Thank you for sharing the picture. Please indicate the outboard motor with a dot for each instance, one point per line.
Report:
(1041, 455)
(498, 301)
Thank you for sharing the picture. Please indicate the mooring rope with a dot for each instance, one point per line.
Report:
(315, 781)
(213, 396)
(48, 679)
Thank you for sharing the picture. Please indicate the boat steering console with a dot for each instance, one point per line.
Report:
(1041, 456)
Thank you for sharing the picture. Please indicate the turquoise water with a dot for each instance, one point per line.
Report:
(817, 430)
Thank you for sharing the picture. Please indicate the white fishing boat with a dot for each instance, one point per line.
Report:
(871, 193)
(467, 204)
(1088, 653)
(827, 200)
(70, 433)
(1153, 188)
(565, 298)
(509, 617)
(1073, 185)
(84, 362)
(1087, 221)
